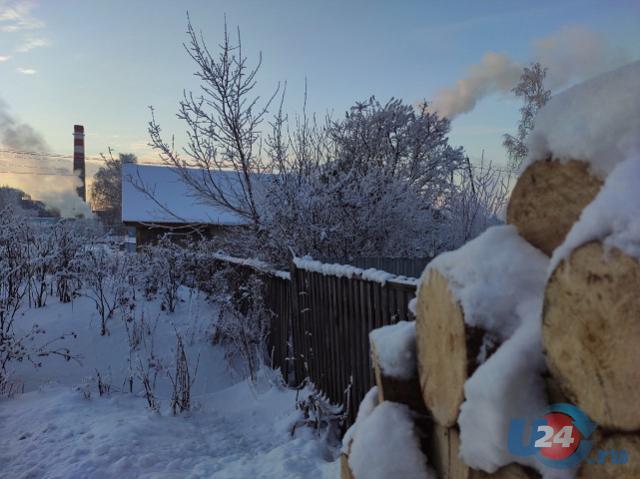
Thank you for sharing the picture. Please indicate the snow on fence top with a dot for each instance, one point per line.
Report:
(170, 199)
(611, 217)
(491, 276)
(347, 271)
(597, 121)
(253, 263)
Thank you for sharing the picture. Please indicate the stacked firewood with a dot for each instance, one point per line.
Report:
(589, 311)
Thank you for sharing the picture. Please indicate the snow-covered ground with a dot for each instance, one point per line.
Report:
(236, 429)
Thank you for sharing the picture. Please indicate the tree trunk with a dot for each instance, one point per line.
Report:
(614, 457)
(591, 333)
(548, 199)
(447, 349)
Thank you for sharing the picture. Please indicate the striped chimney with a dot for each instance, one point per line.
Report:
(78, 159)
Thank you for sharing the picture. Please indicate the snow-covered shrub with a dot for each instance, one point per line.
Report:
(243, 321)
(68, 240)
(164, 271)
(41, 250)
(105, 277)
(14, 264)
(319, 415)
(26, 263)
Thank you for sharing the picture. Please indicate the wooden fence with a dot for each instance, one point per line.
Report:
(322, 317)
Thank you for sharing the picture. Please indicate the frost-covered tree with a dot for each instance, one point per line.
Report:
(534, 96)
(404, 141)
(371, 184)
(376, 182)
(106, 189)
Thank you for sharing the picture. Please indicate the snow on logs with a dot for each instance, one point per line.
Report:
(393, 356)
(547, 200)
(383, 443)
(579, 137)
(591, 320)
(469, 302)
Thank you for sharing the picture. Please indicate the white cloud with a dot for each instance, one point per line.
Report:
(15, 15)
(4, 58)
(26, 71)
(32, 43)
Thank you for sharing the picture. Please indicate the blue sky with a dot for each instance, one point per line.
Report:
(102, 63)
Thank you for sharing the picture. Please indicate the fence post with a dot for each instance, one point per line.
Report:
(294, 320)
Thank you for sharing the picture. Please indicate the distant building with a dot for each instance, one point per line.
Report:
(171, 206)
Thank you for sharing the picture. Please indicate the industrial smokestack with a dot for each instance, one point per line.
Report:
(78, 160)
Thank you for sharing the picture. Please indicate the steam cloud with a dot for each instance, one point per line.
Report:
(55, 191)
(572, 53)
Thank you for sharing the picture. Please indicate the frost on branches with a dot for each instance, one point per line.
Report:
(382, 181)
(34, 262)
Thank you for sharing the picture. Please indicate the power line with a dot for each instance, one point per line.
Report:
(60, 157)
(38, 173)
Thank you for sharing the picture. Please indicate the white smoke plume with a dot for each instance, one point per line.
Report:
(18, 136)
(24, 172)
(571, 54)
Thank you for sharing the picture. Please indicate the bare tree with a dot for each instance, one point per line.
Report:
(222, 128)
(534, 96)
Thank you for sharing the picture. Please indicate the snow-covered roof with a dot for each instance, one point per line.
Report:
(171, 199)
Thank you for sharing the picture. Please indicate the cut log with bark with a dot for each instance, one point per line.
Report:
(447, 348)
(444, 457)
(591, 333)
(613, 457)
(548, 199)
(400, 390)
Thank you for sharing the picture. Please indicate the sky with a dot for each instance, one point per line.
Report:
(103, 63)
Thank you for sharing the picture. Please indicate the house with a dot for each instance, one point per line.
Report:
(157, 201)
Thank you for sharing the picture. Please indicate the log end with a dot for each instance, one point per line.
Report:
(605, 460)
(591, 333)
(548, 199)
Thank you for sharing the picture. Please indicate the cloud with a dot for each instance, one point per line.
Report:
(571, 54)
(32, 43)
(26, 71)
(16, 16)
(4, 58)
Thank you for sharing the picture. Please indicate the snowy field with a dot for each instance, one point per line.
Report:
(62, 428)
